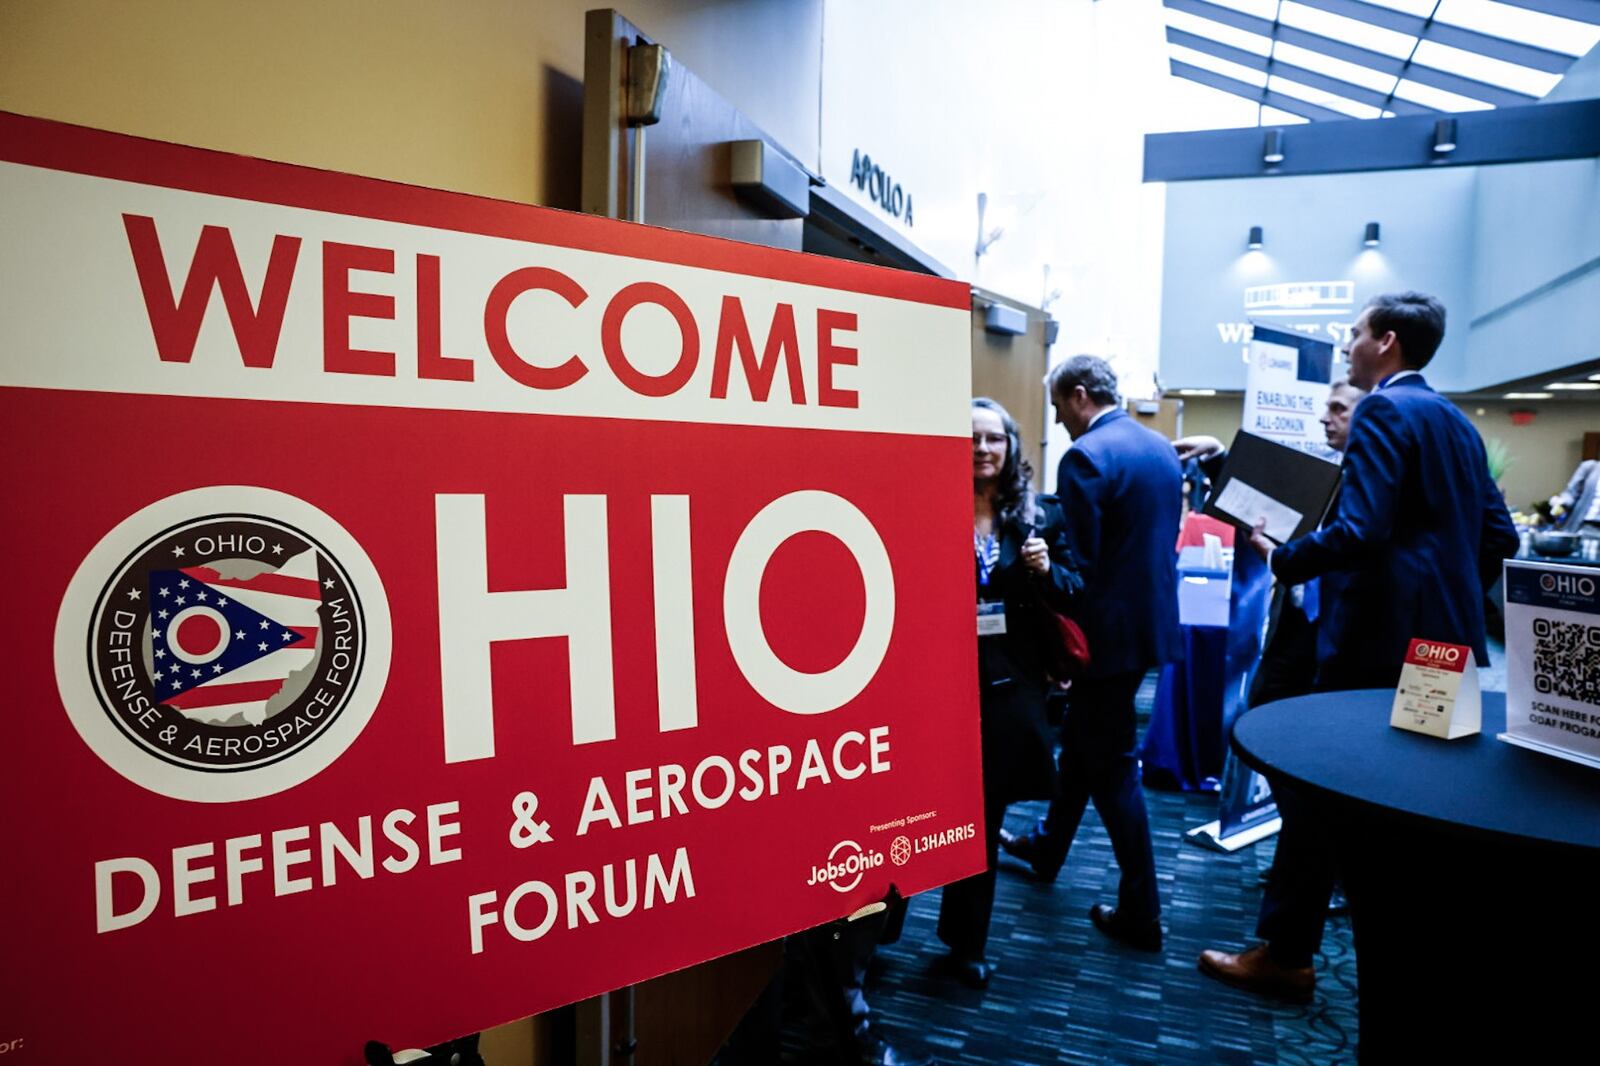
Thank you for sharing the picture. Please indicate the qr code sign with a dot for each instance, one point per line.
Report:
(1566, 660)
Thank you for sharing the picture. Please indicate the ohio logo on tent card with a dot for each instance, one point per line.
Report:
(473, 606)
(1438, 691)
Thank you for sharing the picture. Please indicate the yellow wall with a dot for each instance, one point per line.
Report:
(449, 95)
(480, 96)
(1542, 454)
(1213, 416)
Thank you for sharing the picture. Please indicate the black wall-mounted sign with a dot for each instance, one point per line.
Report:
(871, 179)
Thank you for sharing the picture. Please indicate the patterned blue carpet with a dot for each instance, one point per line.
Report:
(1064, 994)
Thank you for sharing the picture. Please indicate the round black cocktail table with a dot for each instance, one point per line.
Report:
(1472, 868)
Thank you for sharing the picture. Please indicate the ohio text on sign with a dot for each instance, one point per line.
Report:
(424, 611)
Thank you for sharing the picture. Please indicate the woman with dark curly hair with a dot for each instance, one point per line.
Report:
(1024, 570)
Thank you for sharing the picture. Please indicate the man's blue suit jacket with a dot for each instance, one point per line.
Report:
(1416, 538)
(1121, 489)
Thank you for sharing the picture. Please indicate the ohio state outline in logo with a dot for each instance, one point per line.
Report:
(237, 641)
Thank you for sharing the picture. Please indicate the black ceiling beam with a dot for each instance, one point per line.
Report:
(1568, 130)
(1311, 78)
(1254, 93)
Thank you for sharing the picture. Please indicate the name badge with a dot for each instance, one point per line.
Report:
(991, 619)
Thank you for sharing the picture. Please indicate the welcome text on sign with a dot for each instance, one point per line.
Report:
(257, 321)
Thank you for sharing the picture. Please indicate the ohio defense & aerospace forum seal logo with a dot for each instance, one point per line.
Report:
(223, 644)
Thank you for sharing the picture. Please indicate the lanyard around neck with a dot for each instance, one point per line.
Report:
(987, 550)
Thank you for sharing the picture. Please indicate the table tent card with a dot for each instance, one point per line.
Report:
(1553, 660)
(1438, 691)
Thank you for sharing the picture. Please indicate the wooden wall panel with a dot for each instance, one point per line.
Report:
(687, 174)
(681, 1019)
(1011, 369)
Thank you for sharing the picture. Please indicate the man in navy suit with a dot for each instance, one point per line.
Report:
(1417, 537)
(1421, 528)
(1121, 489)
(1288, 663)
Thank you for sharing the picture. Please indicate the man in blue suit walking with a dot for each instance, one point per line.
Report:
(1417, 538)
(1121, 489)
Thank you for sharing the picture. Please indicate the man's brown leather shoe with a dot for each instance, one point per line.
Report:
(1254, 971)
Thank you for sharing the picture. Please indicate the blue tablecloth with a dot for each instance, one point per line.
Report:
(1199, 696)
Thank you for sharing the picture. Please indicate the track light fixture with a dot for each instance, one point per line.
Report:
(1272, 148)
(1444, 135)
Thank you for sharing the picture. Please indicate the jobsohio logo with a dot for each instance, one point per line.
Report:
(847, 863)
(237, 641)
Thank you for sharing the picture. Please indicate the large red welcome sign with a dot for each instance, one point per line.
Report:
(423, 611)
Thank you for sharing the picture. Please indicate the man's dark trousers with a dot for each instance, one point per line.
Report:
(1288, 665)
(1305, 869)
(1121, 490)
(1294, 907)
(1098, 741)
(1417, 536)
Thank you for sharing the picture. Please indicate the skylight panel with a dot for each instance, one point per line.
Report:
(1482, 68)
(1349, 31)
(1568, 36)
(1196, 106)
(1261, 9)
(1250, 42)
(1419, 8)
(1278, 83)
(1428, 96)
(1218, 66)
(1354, 73)
(1271, 116)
